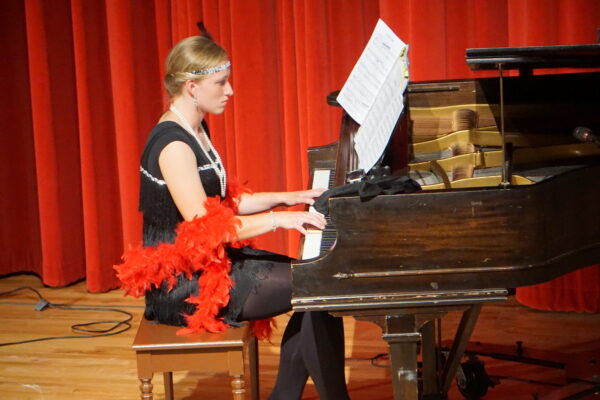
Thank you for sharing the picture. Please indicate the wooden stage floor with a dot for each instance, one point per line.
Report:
(104, 368)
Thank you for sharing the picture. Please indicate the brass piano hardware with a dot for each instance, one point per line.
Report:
(448, 111)
(480, 182)
(390, 274)
(486, 137)
(546, 154)
(437, 169)
(480, 159)
(494, 159)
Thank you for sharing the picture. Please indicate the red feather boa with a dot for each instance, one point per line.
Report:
(199, 246)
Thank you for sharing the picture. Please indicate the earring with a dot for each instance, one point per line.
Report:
(195, 102)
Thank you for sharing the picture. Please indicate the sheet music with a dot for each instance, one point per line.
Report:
(374, 134)
(373, 93)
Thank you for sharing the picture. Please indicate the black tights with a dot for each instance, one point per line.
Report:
(272, 294)
(312, 344)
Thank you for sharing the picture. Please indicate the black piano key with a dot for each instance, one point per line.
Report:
(328, 238)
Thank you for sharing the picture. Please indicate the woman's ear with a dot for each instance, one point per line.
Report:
(189, 87)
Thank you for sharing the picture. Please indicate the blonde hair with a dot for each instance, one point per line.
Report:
(191, 54)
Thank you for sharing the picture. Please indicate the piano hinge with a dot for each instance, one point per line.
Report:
(355, 176)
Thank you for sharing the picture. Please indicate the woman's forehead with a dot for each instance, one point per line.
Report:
(221, 74)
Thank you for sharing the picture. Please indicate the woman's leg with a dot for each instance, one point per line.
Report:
(271, 294)
(292, 373)
(312, 344)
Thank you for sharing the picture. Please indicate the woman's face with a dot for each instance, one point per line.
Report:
(213, 92)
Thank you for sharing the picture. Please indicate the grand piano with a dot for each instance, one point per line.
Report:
(510, 198)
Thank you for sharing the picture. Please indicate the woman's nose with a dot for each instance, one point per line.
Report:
(228, 89)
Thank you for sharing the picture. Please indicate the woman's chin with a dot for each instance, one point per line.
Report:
(218, 111)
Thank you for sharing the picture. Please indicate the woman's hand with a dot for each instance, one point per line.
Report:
(302, 196)
(299, 220)
(258, 202)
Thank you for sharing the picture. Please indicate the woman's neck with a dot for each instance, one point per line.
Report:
(188, 110)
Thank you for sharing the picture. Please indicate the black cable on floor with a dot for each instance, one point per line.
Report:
(90, 329)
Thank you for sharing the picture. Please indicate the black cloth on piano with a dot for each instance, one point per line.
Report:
(367, 189)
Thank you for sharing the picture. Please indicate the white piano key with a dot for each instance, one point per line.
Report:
(312, 240)
(321, 178)
(312, 244)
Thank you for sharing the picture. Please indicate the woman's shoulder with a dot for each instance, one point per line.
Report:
(161, 135)
(168, 130)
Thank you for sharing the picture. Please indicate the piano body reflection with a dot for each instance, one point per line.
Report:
(510, 200)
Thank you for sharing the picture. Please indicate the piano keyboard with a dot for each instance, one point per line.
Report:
(316, 241)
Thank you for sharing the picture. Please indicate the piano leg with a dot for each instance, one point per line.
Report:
(430, 354)
(461, 339)
(402, 332)
(402, 335)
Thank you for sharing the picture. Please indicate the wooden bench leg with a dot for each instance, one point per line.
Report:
(168, 379)
(146, 388)
(253, 361)
(237, 387)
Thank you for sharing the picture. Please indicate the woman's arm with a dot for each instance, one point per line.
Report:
(258, 202)
(257, 224)
(177, 164)
(179, 169)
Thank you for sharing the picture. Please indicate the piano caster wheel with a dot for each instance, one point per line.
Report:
(472, 380)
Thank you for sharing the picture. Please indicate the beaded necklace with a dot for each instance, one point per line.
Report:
(217, 165)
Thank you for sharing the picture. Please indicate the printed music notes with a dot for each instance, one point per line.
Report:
(373, 95)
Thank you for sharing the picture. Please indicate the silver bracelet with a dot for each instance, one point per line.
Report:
(273, 224)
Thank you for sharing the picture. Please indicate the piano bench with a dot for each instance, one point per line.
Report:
(159, 349)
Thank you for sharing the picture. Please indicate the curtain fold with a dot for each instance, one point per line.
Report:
(20, 236)
(52, 90)
(85, 88)
(99, 173)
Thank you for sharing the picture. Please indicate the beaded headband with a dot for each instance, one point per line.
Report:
(212, 70)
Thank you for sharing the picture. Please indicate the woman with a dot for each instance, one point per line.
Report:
(194, 270)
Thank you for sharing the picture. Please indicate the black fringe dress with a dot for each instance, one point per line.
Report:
(248, 266)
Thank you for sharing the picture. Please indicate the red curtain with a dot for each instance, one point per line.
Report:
(82, 85)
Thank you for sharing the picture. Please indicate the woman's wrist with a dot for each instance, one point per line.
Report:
(282, 198)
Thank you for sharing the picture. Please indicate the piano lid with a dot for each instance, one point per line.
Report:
(572, 56)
